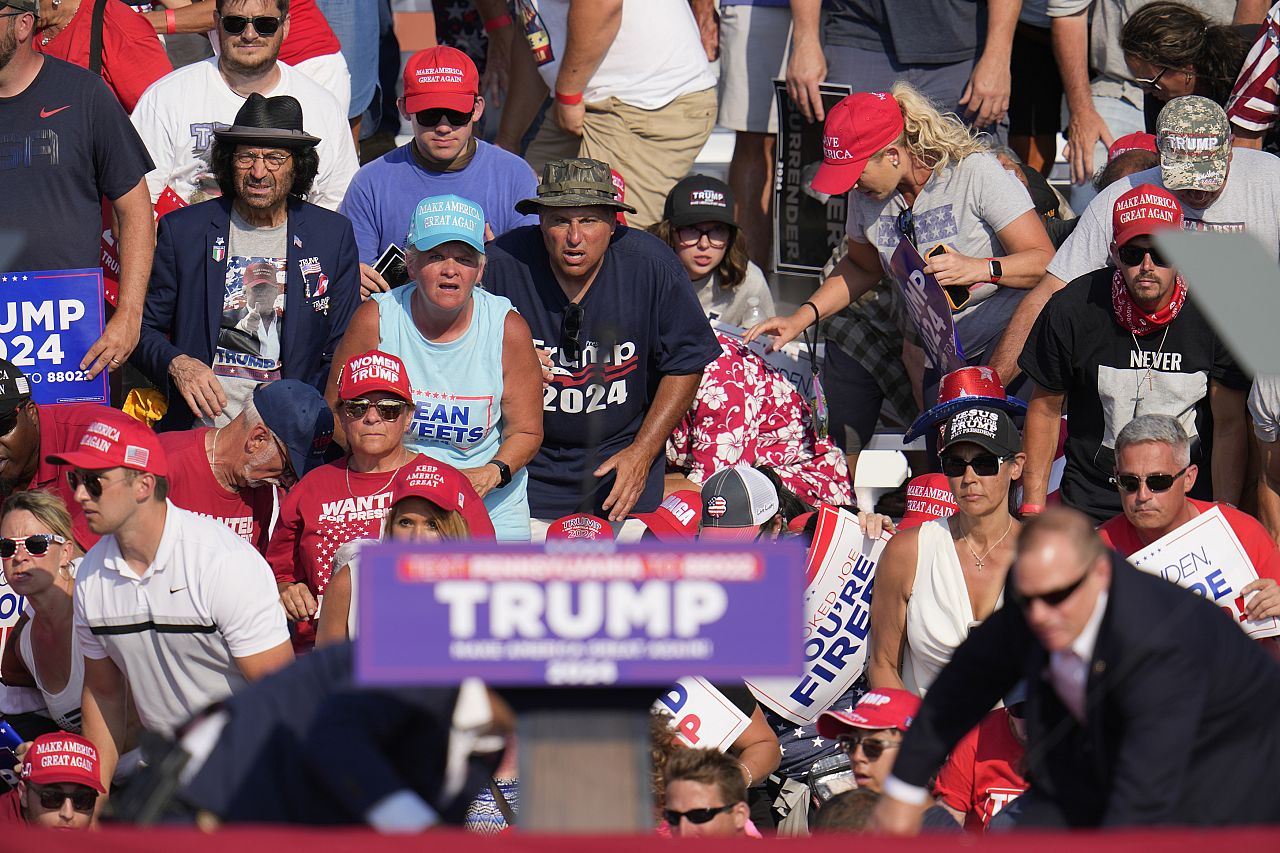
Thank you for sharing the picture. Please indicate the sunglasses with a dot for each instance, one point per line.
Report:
(1155, 482)
(907, 225)
(1018, 711)
(872, 747)
(1052, 598)
(984, 465)
(1151, 84)
(388, 410)
(287, 473)
(438, 115)
(91, 481)
(691, 235)
(698, 816)
(1131, 256)
(52, 799)
(9, 421)
(263, 25)
(36, 545)
(571, 330)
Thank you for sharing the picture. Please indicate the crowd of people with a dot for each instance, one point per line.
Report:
(534, 321)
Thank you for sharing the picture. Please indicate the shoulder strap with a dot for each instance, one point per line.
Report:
(95, 36)
(503, 806)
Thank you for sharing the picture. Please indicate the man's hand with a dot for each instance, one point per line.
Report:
(806, 69)
(299, 603)
(986, 96)
(1266, 602)
(704, 12)
(112, 349)
(571, 117)
(497, 66)
(894, 817)
(371, 282)
(631, 468)
(548, 368)
(483, 479)
(198, 386)
(1084, 131)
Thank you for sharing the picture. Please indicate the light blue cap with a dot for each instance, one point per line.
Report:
(445, 218)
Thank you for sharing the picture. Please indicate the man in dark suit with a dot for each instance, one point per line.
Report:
(1145, 704)
(254, 286)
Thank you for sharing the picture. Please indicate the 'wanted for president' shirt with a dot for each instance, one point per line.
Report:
(641, 321)
(1078, 348)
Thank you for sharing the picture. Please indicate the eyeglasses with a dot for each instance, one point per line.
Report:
(1052, 598)
(9, 421)
(691, 235)
(872, 747)
(388, 410)
(82, 799)
(1155, 482)
(907, 225)
(984, 465)
(436, 116)
(571, 330)
(287, 473)
(263, 25)
(274, 161)
(1151, 84)
(36, 545)
(1132, 256)
(698, 816)
(91, 480)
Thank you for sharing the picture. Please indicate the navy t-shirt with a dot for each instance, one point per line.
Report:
(64, 143)
(641, 321)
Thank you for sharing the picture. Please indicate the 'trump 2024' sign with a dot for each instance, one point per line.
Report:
(526, 616)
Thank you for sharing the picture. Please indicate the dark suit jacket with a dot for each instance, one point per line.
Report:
(1182, 725)
(188, 280)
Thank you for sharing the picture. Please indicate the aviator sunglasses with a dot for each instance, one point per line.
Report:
(388, 410)
(872, 747)
(1155, 482)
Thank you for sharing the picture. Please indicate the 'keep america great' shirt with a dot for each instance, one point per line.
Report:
(641, 321)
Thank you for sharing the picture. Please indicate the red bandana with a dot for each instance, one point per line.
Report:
(1133, 318)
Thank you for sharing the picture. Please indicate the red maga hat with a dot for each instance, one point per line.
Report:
(440, 78)
(374, 371)
(116, 440)
(580, 527)
(855, 129)
(962, 389)
(63, 757)
(447, 488)
(929, 496)
(885, 708)
(676, 518)
(1143, 211)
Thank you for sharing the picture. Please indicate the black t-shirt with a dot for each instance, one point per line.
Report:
(914, 32)
(641, 321)
(65, 142)
(1077, 347)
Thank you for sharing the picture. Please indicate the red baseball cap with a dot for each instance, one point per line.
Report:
(1132, 142)
(856, 128)
(116, 440)
(580, 526)
(929, 496)
(962, 389)
(63, 757)
(800, 522)
(1144, 210)
(619, 184)
(374, 371)
(885, 708)
(447, 488)
(442, 78)
(676, 518)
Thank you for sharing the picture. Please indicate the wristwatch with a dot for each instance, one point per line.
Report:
(996, 271)
(504, 472)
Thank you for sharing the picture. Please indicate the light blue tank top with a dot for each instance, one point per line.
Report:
(457, 392)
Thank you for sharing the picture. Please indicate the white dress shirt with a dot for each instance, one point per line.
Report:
(1069, 668)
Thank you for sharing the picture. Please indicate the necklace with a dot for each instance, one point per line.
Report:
(981, 561)
(1149, 376)
(213, 462)
(378, 491)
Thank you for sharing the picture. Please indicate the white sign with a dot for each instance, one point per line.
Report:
(702, 716)
(837, 618)
(1205, 556)
(792, 361)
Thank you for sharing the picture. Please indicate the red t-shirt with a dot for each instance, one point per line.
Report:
(60, 429)
(309, 34)
(192, 486)
(11, 809)
(978, 778)
(132, 56)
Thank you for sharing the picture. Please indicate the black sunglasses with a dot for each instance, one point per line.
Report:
(1151, 84)
(698, 816)
(263, 25)
(1052, 598)
(872, 747)
(1155, 482)
(984, 465)
(52, 798)
(433, 117)
(571, 330)
(907, 226)
(388, 410)
(9, 421)
(1132, 256)
(92, 482)
(36, 545)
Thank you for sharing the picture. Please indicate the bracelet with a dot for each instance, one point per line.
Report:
(497, 23)
(1030, 509)
(170, 22)
(569, 100)
(750, 777)
(817, 315)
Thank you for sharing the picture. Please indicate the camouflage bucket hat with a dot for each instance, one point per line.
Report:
(574, 183)
(1194, 139)
(32, 6)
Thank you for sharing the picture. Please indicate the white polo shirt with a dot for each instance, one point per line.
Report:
(207, 599)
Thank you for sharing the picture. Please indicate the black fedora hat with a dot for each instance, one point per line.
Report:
(275, 121)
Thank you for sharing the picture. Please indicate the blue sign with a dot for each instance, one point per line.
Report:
(928, 307)
(576, 614)
(48, 321)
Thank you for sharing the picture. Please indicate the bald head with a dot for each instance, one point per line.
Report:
(1061, 570)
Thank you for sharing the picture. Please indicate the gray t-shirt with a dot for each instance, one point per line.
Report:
(1249, 202)
(248, 351)
(731, 306)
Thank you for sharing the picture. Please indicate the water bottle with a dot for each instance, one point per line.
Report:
(754, 315)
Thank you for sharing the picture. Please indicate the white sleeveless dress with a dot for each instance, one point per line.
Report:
(63, 706)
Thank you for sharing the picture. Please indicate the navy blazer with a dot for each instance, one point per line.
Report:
(188, 280)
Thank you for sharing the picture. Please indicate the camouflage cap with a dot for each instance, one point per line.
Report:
(579, 182)
(1194, 138)
(32, 6)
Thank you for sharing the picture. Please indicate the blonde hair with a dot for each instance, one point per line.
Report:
(935, 138)
(46, 507)
(450, 524)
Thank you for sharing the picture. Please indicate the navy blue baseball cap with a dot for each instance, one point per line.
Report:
(299, 417)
